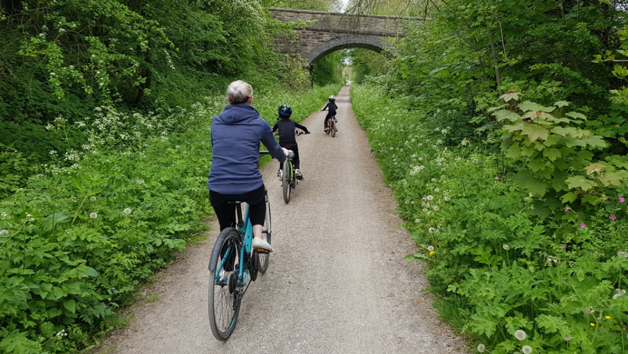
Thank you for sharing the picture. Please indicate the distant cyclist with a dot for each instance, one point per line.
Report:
(236, 134)
(286, 128)
(332, 110)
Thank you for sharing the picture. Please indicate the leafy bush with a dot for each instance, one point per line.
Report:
(512, 280)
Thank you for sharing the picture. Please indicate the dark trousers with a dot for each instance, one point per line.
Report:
(226, 212)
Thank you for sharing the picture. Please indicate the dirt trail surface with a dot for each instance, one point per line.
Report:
(337, 282)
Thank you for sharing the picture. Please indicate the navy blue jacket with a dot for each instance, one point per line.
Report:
(236, 133)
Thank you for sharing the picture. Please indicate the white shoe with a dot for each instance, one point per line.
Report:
(298, 173)
(259, 243)
(279, 173)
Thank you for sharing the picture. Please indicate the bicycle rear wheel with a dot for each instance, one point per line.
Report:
(262, 258)
(333, 128)
(223, 297)
(286, 181)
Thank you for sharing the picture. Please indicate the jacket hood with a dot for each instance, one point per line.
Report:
(235, 113)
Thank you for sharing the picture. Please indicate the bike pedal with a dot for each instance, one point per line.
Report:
(261, 250)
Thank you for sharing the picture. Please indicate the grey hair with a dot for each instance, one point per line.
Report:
(239, 92)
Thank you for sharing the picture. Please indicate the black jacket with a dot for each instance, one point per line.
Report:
(286, 132)
(332, 108)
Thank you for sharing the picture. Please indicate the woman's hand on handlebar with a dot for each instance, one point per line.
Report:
(286, 151)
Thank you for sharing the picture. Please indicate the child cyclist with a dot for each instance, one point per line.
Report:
(332, 111)
(287, 140)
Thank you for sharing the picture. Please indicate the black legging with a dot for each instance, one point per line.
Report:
(226, 212)
(329, 115)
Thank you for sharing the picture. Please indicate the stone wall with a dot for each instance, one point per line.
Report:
(325, 32)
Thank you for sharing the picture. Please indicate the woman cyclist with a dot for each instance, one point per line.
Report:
(236, 134)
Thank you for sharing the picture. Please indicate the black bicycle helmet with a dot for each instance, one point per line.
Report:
(332, 98)
(285, 111)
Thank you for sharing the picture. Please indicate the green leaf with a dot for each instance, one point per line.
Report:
(88, 271)
(531, 183)
(514, 127)
(576, 115)
(552, 324)
(534, 107)
(580, 182)
(537, 164)
(506, 114)
(552, 154)
(595, 141)
(514, 151)
(561, 104)
(614, 178)
(70, 305)
(507, 97)
(563, 131)
(569, 197)
(534, 132)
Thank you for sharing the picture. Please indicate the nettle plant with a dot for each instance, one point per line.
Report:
(560, 166)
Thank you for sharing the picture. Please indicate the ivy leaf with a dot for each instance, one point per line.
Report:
(506, 114)
(552, 154)
(535, 107)
(535, 132)
(580, 182)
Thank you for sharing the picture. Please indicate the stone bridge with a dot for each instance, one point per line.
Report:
(326, 32)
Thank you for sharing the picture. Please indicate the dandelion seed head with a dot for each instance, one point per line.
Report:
(127, 211)
(506, 247)
(526, 349)
(4, 232)
(481, 348)
(520, 334)
(93, 215)
(430, 248)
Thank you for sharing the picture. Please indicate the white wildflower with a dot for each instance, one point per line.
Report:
(435, 208)
(93, 215)
(127, 211)
(430, 248)
(622, 254)
(519, 334)
(567, 337)
(430, 197)
(436, 190)
(526, 349)
(481, 348)
(4, 232)
(446, 199)
(431, 229)
(4, 215)
(506, 247)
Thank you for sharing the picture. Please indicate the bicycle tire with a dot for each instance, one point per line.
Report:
(223, 297)
(263, 258)
(333, 128)
(286, 182)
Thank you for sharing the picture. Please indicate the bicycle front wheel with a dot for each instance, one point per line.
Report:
(262, 258)
(224, 298)
(286, 181)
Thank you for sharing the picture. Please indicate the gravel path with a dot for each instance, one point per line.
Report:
(337, 282)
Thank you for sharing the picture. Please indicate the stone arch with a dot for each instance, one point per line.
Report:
(344, 42)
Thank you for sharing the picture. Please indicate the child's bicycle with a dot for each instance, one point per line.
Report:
(331, 126)
(288, 178)
(232, 267)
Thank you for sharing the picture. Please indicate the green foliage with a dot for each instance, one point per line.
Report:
(366, 63)
(328, 70)
(495, 266)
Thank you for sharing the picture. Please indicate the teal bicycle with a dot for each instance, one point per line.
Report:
(233, 265)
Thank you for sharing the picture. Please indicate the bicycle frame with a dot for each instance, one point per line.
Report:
(245, 229)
